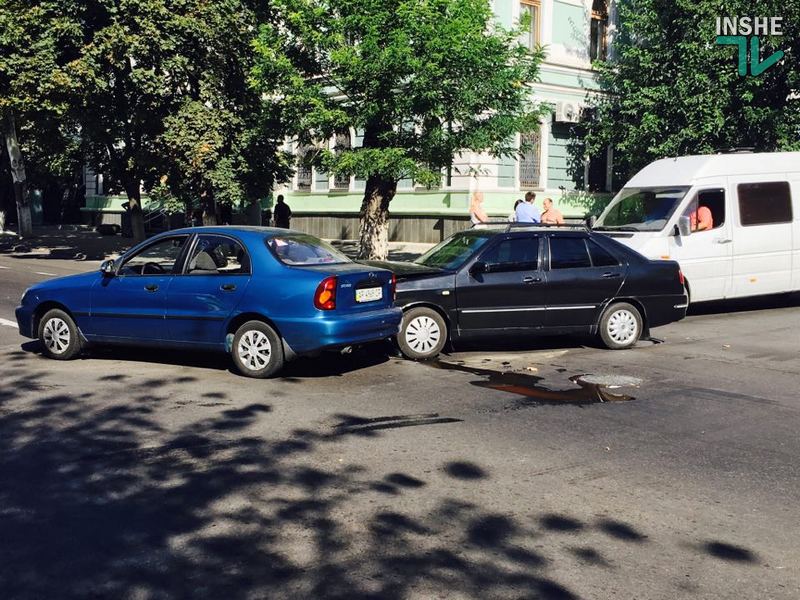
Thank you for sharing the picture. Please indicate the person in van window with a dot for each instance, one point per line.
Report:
(701, 219)
(551, 215)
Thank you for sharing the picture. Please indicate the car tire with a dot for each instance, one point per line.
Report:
(257, 350)
(621, 326)
(423, 334)
(59, 335)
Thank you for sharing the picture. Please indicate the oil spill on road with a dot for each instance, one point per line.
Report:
(591, 388)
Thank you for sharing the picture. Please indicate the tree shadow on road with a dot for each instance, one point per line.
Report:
(99, 498)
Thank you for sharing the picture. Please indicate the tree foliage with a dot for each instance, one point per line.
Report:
(670, 90)
(422, 79)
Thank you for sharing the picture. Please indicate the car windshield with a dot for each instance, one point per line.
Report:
(454, 252)
(304, 250)
(641, 209)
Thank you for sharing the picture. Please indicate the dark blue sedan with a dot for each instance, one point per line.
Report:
(263, 295)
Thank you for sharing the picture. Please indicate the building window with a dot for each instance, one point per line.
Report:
(598, 44)
(303, 170)
(533, 8)
(342, 144)
(530, 163)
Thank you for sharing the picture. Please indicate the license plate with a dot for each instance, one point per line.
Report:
(369, 294)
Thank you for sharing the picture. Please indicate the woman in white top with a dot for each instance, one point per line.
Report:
(512, 218)
(476, 213)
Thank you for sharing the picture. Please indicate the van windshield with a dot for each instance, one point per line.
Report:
(641, 209)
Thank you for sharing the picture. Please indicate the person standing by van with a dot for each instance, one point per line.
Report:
(283, 214)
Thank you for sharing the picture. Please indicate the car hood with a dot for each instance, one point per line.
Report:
(68, 281)
(405, 270)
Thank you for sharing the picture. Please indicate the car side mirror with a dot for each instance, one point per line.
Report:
(478, 268)
(684, 226)
(107, 268)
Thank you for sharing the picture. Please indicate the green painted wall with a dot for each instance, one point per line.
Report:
(570, 24)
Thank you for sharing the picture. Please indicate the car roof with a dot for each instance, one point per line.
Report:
(248, 230)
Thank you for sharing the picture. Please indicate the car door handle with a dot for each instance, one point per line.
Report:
(611, 275)
(723, 241)
(227, 287)
(530, 279)
(151, 287)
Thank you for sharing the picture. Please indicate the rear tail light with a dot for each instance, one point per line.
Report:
(325, 296)
(681, 278)
(394, 287)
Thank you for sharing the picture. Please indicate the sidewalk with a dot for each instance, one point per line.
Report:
(83, 243)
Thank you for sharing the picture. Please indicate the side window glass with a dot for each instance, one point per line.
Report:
(218, 255)
(155, 259)
(764, 203)
(568, 253)
(600, 256)
(706, 210)
(516, 254)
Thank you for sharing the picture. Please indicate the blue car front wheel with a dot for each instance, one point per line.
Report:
(59, 335)
(257, 350)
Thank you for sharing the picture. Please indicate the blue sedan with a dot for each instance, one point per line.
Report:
(263, 295)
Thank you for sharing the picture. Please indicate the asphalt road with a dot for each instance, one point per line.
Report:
(155, 474)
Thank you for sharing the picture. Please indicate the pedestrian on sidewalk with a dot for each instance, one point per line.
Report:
(476, 213)
(527, 212)
(283, 214)
(513, 216)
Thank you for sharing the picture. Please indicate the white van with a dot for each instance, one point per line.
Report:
(732, 221)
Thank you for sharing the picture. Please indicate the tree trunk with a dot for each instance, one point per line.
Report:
(134, 191)
(210, 216)
(24, 222)
(374, 217)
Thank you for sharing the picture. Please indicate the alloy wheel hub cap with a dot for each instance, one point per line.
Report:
(56, 335)
(422, 334)
(254, 350)
(622, 326)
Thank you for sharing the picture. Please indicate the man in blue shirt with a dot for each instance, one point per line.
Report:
(527, 212)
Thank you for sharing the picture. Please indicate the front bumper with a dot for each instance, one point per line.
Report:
(333, 331)
(24, 316)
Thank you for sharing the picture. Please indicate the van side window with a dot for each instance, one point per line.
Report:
(764, 203)
(706, 210)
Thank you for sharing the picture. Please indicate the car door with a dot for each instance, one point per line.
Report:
(582, 276)
(130, 304)
(705, 256)
(201, 298)
(508, 294)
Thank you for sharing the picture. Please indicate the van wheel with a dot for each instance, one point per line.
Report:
(620, 326)
(423, 334)
(257, 350)
(59, 335)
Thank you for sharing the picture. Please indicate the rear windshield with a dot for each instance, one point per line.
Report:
(304, 250)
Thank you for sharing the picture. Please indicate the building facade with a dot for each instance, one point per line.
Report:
(574, 33)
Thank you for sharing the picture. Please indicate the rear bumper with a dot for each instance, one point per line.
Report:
(662, 310)
(332, 331)
(25, 321)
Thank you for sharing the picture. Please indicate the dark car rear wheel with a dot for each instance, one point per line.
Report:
(257, 350)
(423, 334)
(59, 335)
(620, 326)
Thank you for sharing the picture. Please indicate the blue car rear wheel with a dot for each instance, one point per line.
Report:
(257, 350)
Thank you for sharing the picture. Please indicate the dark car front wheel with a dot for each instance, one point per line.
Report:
(59, 335)
(620, 326)
(423, 334)
(257, 350)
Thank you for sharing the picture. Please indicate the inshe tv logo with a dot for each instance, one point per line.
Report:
(738, 31)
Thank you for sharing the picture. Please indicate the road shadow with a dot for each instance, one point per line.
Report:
(70, 243)
(788, 300)
(100, 498)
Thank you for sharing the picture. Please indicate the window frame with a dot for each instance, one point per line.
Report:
(196, 240)
(756, 183)
(596, 42)
(179, 260)
(535, 33)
